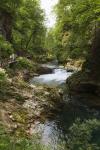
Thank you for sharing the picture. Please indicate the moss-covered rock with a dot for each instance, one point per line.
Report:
(21, 104)
(83, 88)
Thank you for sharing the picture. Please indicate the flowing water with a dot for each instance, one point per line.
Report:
(58, 77)
(54, 131)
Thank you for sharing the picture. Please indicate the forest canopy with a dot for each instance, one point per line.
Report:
(76, 25)
(22, 28)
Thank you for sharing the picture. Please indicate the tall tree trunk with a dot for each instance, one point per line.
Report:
(28, 42)
(6, 25)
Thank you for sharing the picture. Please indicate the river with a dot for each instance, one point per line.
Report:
(58, 77)
(54, 131)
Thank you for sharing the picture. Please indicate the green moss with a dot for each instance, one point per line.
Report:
(76, 79)
(20, 116)
(19, 98)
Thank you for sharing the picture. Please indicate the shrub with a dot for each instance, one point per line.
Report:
(5, 48)
(24, 63)
(84, 136)
(3, 75)
(14, 143)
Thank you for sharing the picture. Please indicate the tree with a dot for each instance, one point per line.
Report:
(77, 20)
(22, 25)
(8, 10)
(29, 29)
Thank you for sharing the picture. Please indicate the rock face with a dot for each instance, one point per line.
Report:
(93, 62)
(74, 65)
(87, 81)
(82, 88)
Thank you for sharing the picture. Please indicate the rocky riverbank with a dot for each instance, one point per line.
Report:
(22, 104)
(86, 90)
(73, 65)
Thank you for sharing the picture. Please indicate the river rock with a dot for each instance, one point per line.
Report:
(44, 70)
(81, 87)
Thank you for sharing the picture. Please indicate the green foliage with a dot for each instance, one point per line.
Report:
(85, 135)
(76, 24)
(6, 48)
(24, 63)
(29, 30)
(9, 6)
(8, 142)
(3, 75)
(22, 24)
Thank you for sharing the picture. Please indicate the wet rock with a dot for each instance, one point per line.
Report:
(70, 69)
(27, 75)
(84, 89)
(26, 103)
(44, 70)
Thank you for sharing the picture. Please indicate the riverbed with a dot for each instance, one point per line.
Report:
(54, 130)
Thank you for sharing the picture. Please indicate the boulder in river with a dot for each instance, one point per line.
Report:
(81, 87)
(44, 70)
